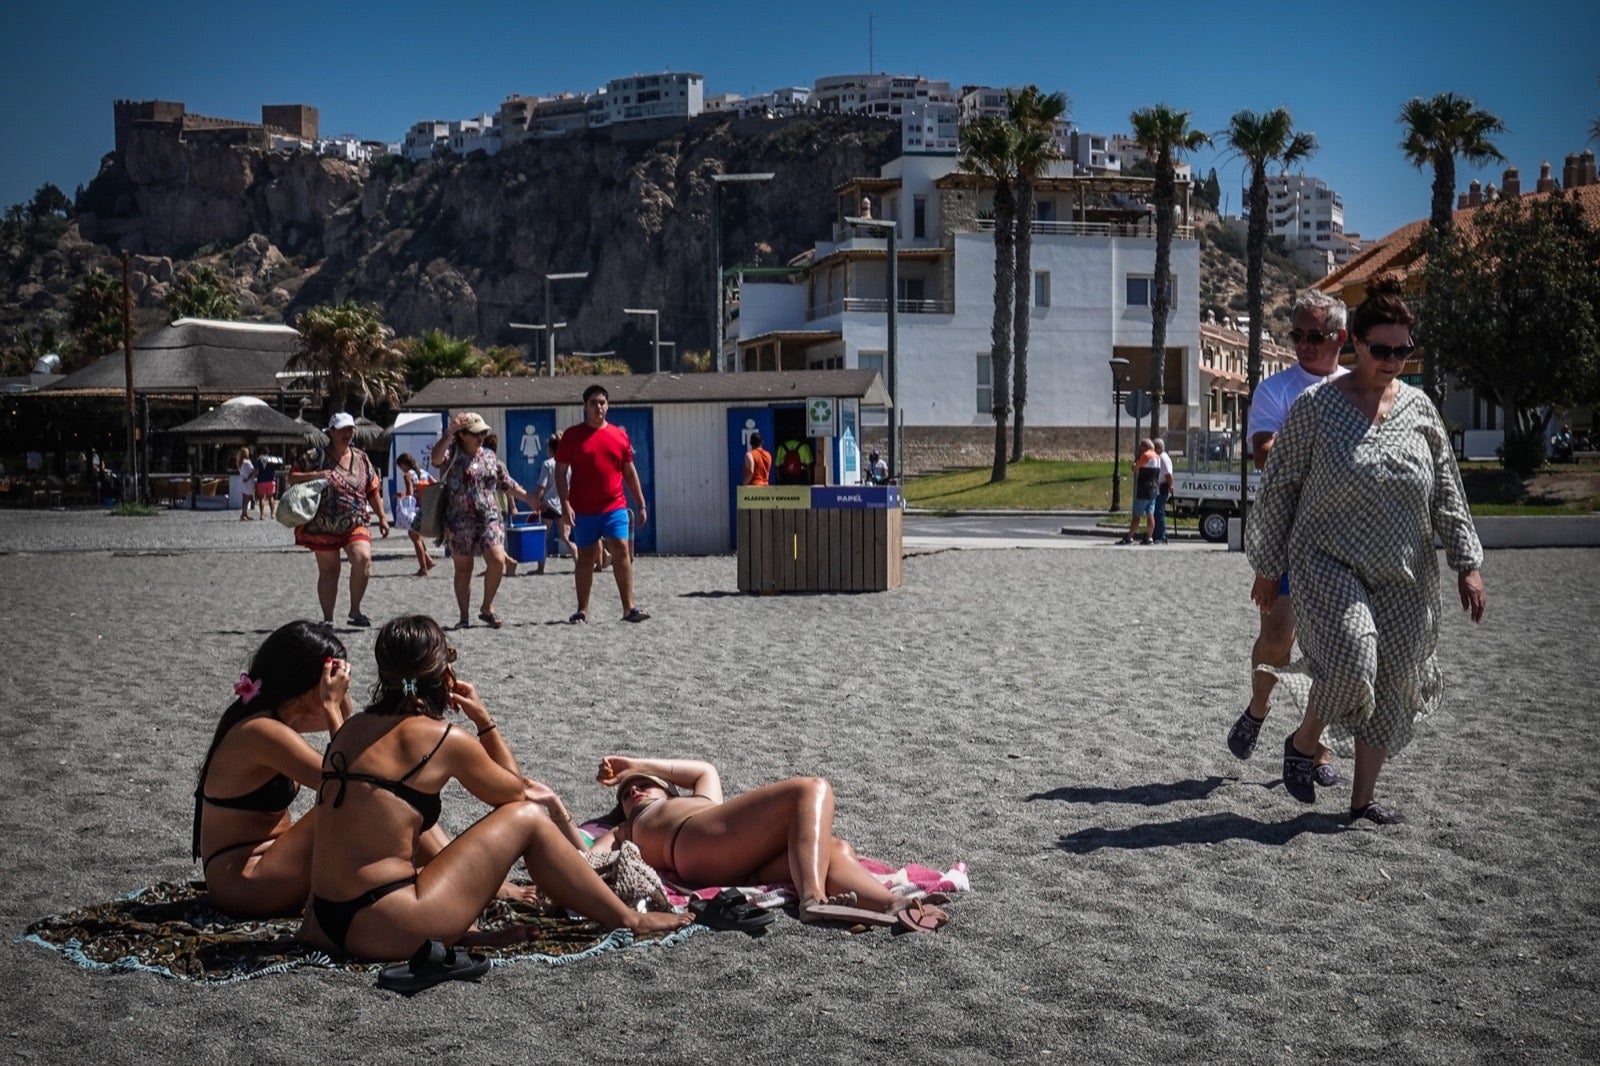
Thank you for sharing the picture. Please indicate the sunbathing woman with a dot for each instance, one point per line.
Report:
(257, 858)
(380, 789)
(778, 832)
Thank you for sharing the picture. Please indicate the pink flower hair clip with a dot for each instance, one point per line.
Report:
(246, 688)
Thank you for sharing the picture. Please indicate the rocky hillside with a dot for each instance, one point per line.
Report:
(457, 244)
(1222, 280)
(461, 245)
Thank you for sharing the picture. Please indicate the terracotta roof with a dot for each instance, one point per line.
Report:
(625, 390)
(1402, 249)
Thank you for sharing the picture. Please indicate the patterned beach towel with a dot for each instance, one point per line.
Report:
(171, 929)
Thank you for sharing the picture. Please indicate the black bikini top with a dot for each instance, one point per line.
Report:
(273, 797)
(426, 804)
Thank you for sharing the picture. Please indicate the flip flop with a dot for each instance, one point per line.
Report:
(729, 910)
(918, 918)
(637, 614)
(491, 618)
(433, 964)
(833, 912)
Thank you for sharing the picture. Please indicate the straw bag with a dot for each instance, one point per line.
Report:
(430, 510)
(300, 503)
(630, 877)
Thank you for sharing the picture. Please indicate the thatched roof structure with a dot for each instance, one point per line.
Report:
(203, 359)
(247, 422)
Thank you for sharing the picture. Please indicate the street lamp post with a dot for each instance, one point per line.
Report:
(1119, 370)
(549, 318)
(655, 330)
(891, 362)
(717, 181)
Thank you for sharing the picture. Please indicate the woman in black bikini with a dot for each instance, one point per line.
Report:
(371, 895)
(778, 832)
(257, 858)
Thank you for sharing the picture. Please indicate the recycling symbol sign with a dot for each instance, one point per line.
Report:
(819, 416)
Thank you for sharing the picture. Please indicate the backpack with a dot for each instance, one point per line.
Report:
(793, 465)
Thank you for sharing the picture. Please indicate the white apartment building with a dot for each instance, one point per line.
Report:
(653, 96)
(788, 100)
(1309, 217)
(928, 128)
(1091, 153)
(982, 101)
(1093, 260)
(878, 95)
(475, 135)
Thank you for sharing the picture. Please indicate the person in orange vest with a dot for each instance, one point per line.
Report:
(757, 462)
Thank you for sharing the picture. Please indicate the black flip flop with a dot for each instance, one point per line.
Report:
(433, 964)
(730, 911)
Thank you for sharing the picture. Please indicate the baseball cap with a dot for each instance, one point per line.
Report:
(342, 420)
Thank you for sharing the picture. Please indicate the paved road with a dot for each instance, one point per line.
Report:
(994, 530)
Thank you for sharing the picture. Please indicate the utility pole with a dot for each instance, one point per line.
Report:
(130, 465)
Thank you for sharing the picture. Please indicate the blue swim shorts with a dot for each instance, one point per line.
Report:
(1143, 507)
(587, 529)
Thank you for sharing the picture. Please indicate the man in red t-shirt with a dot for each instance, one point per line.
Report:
(593, 464)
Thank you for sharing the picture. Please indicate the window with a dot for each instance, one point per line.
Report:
(985, 384)
(919, 216)
(1041, 288)
(1141, 288)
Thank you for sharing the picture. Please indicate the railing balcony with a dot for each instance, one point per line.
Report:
(879, 306)
(1143, 228)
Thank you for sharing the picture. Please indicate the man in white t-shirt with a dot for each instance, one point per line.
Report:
(1163, 488)
(1318, 334)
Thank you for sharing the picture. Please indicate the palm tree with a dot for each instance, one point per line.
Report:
(1163, 134)
(1261, 139)
(1437, 131)
(94, 316)
(989, 150)
(347, 347)
(1034, 115)
(199, 292)
(436, 354)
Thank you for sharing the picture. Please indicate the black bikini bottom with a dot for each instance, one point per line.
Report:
(230, 847)
(335, 915)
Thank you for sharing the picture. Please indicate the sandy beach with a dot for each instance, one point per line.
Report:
(1055, 719)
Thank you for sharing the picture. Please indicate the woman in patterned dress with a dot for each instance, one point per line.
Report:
(341, 523)
(474, 525)
(1359, 482)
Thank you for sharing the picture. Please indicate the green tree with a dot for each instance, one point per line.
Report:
(347, 350)
(1164, 134)
(1210, 191)
(1034, 114)
(199, 292)
(1513, 305)
(989, 150)
(1437, 131)
(49, 200)
(438, 355)
(94, 316)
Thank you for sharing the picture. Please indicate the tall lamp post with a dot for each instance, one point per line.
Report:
(891, 362)
(1119, 373)
(655, 330)
(717, 181)
(549, 318)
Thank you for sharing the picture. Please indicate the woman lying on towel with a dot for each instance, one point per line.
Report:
(372, 895)
(778, 832)
(257, 858)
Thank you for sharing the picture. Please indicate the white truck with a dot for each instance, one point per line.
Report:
(1207, 484)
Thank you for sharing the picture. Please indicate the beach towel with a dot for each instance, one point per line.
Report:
(171, 929)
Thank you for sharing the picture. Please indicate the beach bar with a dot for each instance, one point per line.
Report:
(800, 538)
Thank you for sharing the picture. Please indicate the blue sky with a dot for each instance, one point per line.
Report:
(372, 69)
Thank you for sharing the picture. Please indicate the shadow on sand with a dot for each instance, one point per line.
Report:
(1141, 795)
(1206, 829)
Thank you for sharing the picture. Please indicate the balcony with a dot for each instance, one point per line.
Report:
(1144, 227)
(879, 306)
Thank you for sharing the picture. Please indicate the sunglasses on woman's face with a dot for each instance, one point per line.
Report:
(1391, 351)
(1311, 336)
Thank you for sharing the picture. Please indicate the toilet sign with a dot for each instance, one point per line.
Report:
(849, 458)
(820, 416)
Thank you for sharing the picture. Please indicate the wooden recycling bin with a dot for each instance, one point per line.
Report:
(805, 538)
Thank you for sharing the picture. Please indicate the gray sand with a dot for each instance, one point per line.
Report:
(1055, 719)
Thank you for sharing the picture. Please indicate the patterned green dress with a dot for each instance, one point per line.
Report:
(1349, 508)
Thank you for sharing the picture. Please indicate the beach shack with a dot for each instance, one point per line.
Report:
(689, 434)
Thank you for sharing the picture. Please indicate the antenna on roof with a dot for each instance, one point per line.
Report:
(871, 67)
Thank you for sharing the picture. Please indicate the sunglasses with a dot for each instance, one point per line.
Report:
(1391, 351)
(1311, 336)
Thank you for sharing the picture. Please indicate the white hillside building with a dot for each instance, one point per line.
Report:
(1309, 217)
(1093, 259)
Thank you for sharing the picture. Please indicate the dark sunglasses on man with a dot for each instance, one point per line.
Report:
(1311, 336)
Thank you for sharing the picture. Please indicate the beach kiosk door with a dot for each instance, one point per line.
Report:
(741, 422)
(414, 432)
(639, 423)
(523, 450)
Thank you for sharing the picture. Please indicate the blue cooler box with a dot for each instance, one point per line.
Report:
(525, 544)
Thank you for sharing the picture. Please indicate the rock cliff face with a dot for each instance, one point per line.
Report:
(462, 245)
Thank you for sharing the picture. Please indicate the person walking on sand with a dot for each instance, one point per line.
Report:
(1163, 488)
(593, 465)
(247, 484)
(1361, 483)
(340, 525)
(1318, 332)
(556, 528)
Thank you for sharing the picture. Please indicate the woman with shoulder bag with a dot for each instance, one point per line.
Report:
(340, 524)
